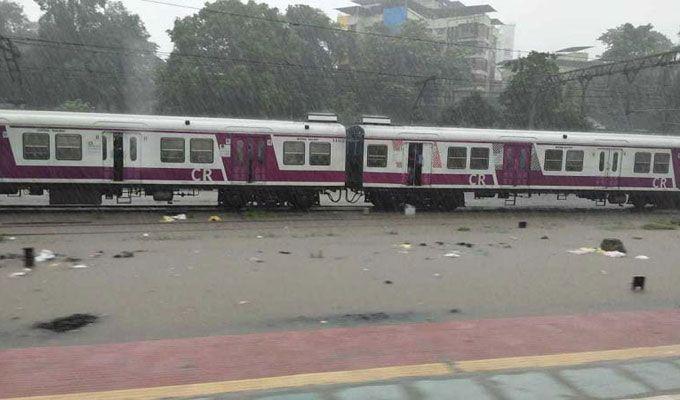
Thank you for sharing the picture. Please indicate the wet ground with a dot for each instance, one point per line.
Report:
(262, 271)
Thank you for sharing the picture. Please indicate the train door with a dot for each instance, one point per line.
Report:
(133, 156)
(609, 164)
(415, 164)
(248, 158)
(516, 164)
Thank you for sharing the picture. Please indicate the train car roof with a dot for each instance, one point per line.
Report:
(510, 135)
(125, 122)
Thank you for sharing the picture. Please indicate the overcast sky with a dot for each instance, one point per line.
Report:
(545, 25)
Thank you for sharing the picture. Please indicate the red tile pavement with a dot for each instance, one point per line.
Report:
(70, 369)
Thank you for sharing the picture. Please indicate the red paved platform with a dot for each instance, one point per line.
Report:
(69, 369)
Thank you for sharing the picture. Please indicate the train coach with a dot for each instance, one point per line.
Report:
(433, 167)
(80, 157)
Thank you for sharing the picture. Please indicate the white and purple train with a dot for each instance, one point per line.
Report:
(80, 157)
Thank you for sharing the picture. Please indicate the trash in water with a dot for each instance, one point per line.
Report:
(544, 238)
(613, 245)
(614, 254)
(284, 252)
(145, 235)
(522, 224)
(638, 283)
(463, 229)
(453, 254)
(259, 237)
(464, 244)
(365, 269)
(454, 311)
(255, 260)
(243, 302)
(180, 217)
(641, 257)
(437, 275)
(440, 243)
(215, 218)
(11, 238)
(583, 250)
(323, 321)
(388, 282)
(603, 272)
(409, 210)
(97, 254)
(79, 266)
(72, 259)
(637, 238)
(18, 274)
(66, 324)
(405, 246)
(44, 255)
(423, 245)
(318, 254)
(125, 254)
(167, 218)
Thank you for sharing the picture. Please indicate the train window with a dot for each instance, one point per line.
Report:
(133, 148)
(294, 153)
(319, 153)
(574, 161)
(68, 146)
(201, 151)
(601, 161)
(661, 163)
(553, 160)
(105, 150)
(376, 156)
(479, 158)
(615, 162)
(457, 158)
(172, 150)
(642, 163)
(239, 151)
(36, 146)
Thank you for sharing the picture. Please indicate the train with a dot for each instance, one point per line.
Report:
(79, 158)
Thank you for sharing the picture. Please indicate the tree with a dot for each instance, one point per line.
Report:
(528, 103)
(627, 41)
(472, 112)
(13, 22)
(102, 56)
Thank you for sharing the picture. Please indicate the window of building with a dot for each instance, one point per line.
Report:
(133, 148)
(172, 150)
(661, 163)
(294, 153)
(457, 158)
(68, 146)
(479, 158)
(319, 153)
(36, 146)
(376, 156)
(201, 151)
(553, 160)
(574, 161)
(105, 150)
(642, 163)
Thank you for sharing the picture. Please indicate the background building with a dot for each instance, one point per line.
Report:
(485, 40)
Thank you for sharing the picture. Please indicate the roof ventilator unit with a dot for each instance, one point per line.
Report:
(322, 117)
(375, 120)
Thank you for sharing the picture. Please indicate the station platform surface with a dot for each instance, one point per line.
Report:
(612, 355)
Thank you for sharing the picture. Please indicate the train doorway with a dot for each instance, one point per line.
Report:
(609, 165)
(249, 158)
(415, 164)
(516, 164)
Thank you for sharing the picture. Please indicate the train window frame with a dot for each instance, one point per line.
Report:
(294, 156)
(32, 155)
(615, 162)
(374, 160)
(453, 160)
(638, 166)
(133, 148)
(165, 152)
(61, 150)
(196, 155)
(479, 162)
(550, 163)
(665, 164)
(574, 165)
(320, 156)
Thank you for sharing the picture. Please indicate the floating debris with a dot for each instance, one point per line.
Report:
(453, 254)
(284, 252)
(125, 254)
(45, 255)
(405, 246)
(215, 218)
(613, 245)
(256, 260)
(66, 324)
(583, 250)
(79, 266)
(544, 238)
(465, 244)
(641, 257)
(463, 229)
(522, 224)
(388, 282)
(614, 254)
(18, 274)
(318, 254)
(243, 302)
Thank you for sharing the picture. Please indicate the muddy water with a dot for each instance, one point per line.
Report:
(194, 278)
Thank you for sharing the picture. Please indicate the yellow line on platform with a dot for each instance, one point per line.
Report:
(370, 375)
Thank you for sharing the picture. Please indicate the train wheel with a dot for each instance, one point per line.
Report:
(231, 200)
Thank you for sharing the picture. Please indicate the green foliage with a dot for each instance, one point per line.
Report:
(627, 41)
(473, 112)
(76, 105)
(12, 19)
(526, 95)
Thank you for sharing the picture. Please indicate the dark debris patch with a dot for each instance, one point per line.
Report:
(465, 244)
(284, 252)
(65, 324)
(125, 254)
